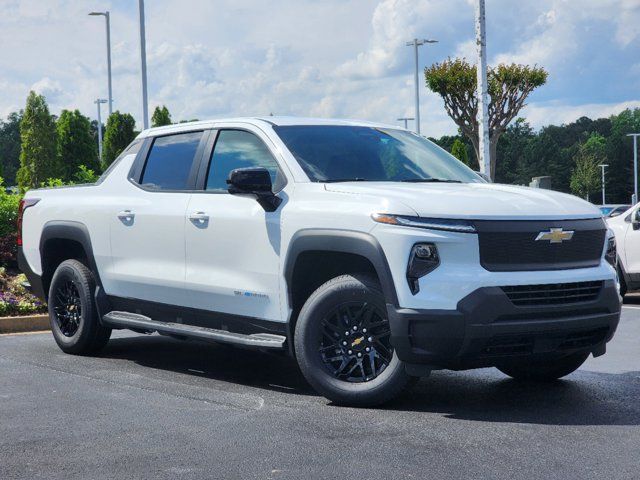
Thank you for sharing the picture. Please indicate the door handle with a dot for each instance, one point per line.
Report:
(126, 216)
(199, 218)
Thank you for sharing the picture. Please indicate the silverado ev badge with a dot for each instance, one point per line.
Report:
(555, 235)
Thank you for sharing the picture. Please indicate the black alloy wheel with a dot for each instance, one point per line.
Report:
(355, 342)
(68, 308)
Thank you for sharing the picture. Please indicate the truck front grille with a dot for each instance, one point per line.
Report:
(507, 246)
(553, 294)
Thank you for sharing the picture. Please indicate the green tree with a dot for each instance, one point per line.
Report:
(509, 86)
(119, 133)
(75, 144)
(38, 159)
(620, 155)
(160, 117)
(10, 147)
(459, 150)
(510, 153)
(585, 178)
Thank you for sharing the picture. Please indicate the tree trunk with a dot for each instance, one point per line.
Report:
(493, 149)
(476, 146)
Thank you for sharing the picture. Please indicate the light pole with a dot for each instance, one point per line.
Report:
(603, 166)
(415, 43)
(406, 119)
(634, 200)
(483, 108)
(98, 102)
(143, 63)
(108, 23)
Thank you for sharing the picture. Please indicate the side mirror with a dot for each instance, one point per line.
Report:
(254, 181)
(635, 219)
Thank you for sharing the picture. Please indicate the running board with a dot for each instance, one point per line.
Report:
(140, 322)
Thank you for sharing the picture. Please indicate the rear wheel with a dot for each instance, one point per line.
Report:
(342, 343)
(72, 310)
(544, 370)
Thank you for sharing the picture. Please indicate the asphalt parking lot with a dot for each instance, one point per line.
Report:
(153, 407)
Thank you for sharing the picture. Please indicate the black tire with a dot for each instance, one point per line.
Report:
(72, 311)
(546, 370)
(623, 283)
(379, 380)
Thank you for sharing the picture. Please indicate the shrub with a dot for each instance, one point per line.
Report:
(9, 250)
(85, 175)
(14, 299)
(9, 204)
(52, 183)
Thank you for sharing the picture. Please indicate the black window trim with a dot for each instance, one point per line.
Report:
(206, 159)
(137, 168)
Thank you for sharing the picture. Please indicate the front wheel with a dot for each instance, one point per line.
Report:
(72, 310)
(342, 343)
(544, 370)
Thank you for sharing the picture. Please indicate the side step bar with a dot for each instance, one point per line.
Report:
(140, 322)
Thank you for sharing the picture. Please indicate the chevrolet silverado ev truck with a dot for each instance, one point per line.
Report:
(626, 228)
(364, 251)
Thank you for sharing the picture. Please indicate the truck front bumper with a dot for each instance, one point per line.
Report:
(487, 328)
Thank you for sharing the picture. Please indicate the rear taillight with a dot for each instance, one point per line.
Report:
(24, 204)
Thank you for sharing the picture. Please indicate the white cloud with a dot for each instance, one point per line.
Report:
(330, 58)
(49, 88)
(394, 23)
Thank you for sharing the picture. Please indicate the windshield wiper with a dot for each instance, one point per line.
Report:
(430, 180)
(338, 180)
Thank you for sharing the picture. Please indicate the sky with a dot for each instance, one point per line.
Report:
(324, 58)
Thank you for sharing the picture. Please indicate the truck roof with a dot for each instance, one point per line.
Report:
(261, 121)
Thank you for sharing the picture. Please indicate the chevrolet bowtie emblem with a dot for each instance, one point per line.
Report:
(555, 235)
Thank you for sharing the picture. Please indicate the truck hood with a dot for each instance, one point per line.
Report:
(475, 200)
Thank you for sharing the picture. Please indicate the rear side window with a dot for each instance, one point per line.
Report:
(240, 149)
(170, 161)
(132, 149)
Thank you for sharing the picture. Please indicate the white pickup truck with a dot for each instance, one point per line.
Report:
(364, 251)
(626, 229)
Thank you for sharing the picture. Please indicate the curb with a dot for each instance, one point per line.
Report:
(31, 323)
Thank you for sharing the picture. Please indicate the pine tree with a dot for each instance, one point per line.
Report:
(75, 144)
(38, 159)
(119, 133)
(160, 117)
(459, 150)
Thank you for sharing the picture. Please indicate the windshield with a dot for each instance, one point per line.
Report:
(331, 153)
(606, 210)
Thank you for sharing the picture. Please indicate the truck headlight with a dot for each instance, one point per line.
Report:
(448, 225)
(423, 259)
(610, 254)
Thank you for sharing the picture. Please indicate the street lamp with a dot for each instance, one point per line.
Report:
(108, 24)
(405, 119)
(635, 166)
(98, 102)
(482, 92)
(415, 43)
(143, 63)
(603, 166)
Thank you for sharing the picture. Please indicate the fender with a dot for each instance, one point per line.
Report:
(342, 241)
(69, 230)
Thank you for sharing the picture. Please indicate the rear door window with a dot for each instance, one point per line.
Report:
(170, 162)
